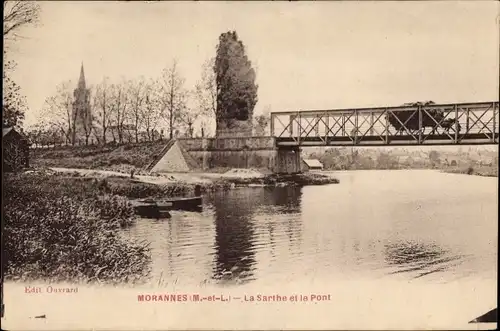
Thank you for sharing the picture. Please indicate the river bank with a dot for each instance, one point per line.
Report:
(485, 171)
(63, 224)
(207, 181)
(64, 228)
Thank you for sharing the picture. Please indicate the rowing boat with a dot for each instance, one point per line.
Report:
(189, 204)
(151, 209)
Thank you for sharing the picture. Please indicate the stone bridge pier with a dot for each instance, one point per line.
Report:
(199, 154)
(287, 160)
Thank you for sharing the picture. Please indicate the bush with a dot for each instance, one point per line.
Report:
(63, 229)
(137, 190)
(115, 209)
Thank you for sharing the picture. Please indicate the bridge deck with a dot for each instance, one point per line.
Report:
(445, 124)
(469, 139)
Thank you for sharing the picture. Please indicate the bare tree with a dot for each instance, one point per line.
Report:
(103, 110)
(137, 97)
(206, 89)
(88, 119)
(118, 108)
(150, 114)
(58, 112)
(16, 15)
(173, 96)
(189, 116)
(34, 133)
(206, 96)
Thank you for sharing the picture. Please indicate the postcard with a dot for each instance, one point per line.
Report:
(246, 165)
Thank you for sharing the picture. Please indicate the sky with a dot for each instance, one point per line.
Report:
(308, 55)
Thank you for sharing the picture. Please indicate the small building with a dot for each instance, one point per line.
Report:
(311, 164)
(15, 150)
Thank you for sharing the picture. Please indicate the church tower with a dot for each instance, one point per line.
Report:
(82, 117)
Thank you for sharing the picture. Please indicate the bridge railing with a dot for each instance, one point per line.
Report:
(413, 124)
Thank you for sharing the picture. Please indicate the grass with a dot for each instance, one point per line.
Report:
(122, 158)
(62, 228)
(135, 189)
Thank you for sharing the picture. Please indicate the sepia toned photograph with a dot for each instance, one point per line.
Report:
(250, 165)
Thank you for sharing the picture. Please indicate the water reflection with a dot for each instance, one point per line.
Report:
(236, 224)
(283, 201)
(382, 224)
(287, 199)
(233, 235)
(419, 258)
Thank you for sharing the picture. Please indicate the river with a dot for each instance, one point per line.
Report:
(417, 225)
(383, 249)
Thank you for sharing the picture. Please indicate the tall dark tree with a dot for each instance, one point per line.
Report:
(235, 80)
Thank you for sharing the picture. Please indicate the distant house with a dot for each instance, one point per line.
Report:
(311, 164)
(15, 150)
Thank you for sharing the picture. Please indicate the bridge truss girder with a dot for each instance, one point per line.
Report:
(443, 124)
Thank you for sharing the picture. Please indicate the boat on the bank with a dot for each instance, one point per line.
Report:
(158, 208)
(188, 204)
(149, 208)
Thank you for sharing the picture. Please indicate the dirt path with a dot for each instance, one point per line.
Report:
(163, 179)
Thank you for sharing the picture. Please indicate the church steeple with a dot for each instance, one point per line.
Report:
(81, 81)
(82, 116)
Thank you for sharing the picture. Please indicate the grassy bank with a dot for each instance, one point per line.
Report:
(135, 157)
(122, 158)
(135, 189)
(61, 228)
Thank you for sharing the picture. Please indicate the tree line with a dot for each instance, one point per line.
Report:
(125, 111)
(138, 109)
(149, 109)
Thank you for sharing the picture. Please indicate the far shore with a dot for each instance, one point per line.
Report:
(485, 171)
(474, 171)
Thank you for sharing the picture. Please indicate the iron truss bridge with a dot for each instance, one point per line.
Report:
(416, 124)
